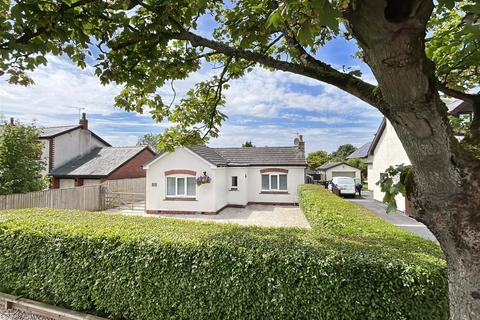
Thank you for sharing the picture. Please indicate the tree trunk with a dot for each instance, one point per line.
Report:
(446, 196)
(464, 286)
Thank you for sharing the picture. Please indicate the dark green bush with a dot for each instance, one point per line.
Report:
(351, 265)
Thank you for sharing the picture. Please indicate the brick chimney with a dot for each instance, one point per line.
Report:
(84, 121)
(300, 143)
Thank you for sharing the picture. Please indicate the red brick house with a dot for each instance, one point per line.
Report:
(101, 164)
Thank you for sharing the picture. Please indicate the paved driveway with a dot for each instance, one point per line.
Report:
(398, 218)
(252, 215)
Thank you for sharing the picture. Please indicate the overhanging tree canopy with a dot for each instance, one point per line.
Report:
(145, 44)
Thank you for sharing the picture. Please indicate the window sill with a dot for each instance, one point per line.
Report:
(179, 199)
(274, 192)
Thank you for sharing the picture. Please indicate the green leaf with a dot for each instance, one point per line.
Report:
(356, 73)
(392, 207)
(275, 19)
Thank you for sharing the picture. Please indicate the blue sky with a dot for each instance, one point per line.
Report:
(266, 107)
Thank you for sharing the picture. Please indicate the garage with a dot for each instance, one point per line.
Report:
(338, 169)
(350, 174)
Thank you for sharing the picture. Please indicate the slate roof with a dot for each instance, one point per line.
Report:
(209, 154)
(100, 162)
(361, 152)
(51, 132)
(260, 156)
(249, 156)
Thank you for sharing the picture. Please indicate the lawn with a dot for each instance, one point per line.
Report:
(351, 265)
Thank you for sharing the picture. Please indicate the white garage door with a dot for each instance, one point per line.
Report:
(350, 174)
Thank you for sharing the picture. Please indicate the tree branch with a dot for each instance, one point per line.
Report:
(318, 70)
(471, 98)
(30, 34)
(303, 55)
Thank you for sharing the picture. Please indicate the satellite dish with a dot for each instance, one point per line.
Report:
(296, 141)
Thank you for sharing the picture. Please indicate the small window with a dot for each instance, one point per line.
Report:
(180, 186)
(283, 182)
(265, 182)
(191, 186)
(171, 186)
(274, 182)
(154, 184)
(235, 182)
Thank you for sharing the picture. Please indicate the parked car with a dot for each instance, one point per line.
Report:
(344, 185)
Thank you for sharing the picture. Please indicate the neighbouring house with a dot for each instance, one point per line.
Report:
(65, 143)
(235, 177)
(338, 169)
(387, 150)
(76, 156)
(102, 164)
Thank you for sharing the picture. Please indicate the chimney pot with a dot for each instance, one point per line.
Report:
(84, 121)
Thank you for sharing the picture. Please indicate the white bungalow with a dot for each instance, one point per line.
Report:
(234, 177)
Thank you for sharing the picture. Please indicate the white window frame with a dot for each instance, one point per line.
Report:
(270, 181)
(232, 187)
(184, 195)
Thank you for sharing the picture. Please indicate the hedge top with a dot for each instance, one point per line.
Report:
(336, 225)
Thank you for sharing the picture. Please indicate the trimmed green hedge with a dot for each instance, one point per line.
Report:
(351, 265)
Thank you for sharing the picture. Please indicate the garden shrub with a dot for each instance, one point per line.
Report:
(350, 265)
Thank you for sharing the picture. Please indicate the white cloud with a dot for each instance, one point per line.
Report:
(278, 98)
(59, 88)
(262, 93)
(279, 135)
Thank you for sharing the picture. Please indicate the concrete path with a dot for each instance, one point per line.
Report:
(251, 215)
(398, 218)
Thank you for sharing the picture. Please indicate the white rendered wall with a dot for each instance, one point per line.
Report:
(73, 144)
(239, 196)
(370, 179)
(388, 152)
(295, 177)
(182, 158)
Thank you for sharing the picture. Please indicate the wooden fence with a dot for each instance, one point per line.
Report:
(137, 185)
(88, 198)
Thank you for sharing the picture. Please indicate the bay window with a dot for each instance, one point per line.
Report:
(181, 186)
